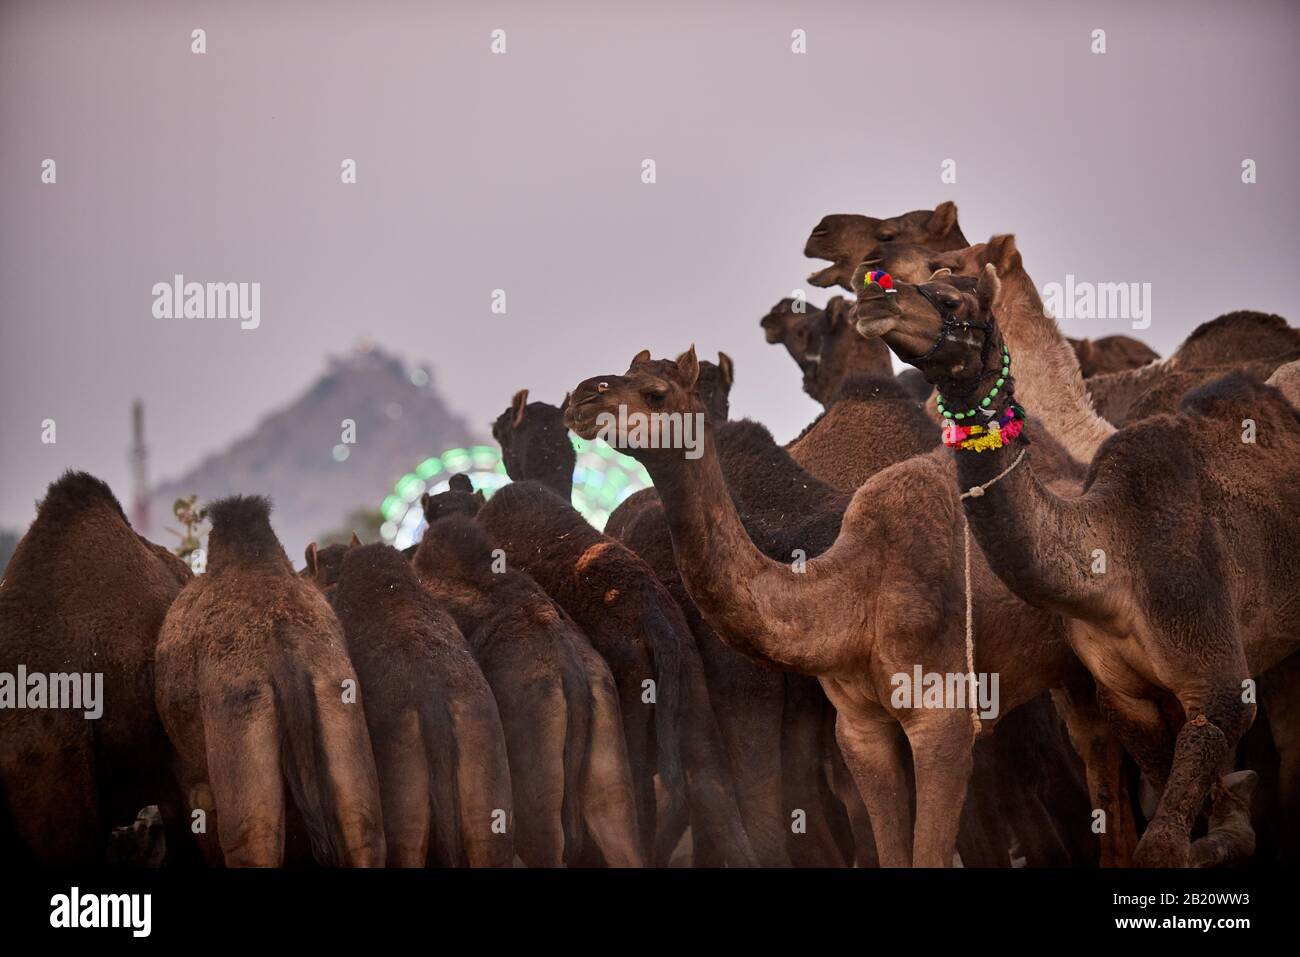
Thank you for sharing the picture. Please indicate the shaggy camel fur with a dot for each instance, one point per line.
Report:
(568, 759)
(905, 583)
(444, 777)
(83, 593)
(1111, 354)
(252, 683)
(635, 625)
(1197, 526)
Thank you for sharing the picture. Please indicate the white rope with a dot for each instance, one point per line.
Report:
(976, 491)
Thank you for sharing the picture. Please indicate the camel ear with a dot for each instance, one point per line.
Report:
(519, 403)
(1001, 251)
(688, 368)
(311, 558)
(424, 502)
(939, 274)
(642, 356)
(727, 368)
(354, 542)
(942, 221)
(986, 290)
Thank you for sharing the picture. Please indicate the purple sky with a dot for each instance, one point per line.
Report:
(522, 172)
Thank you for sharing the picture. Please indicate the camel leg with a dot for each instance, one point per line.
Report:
(846, 792)
(1102, 753)
(1280, 689)
(748, 701)
(247, 783)
(608, 802)
(874, 750)
(803, 726)
(403, 790)
(1203, 748)
(942, 755)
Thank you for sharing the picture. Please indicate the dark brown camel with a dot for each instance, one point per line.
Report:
(568, 759)
(904, 579)
(252, 686)
(835, 352)
(444, 776)
(1111, 354)
(634, 624)
(1198, 529)
(84, 594)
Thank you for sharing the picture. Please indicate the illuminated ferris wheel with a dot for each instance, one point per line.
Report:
(602, 479)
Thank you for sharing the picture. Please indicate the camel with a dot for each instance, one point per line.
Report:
(885, 597)
(634, 624)
(1198, 528)
(847, 239)
(1111, 354)
(83, 593)
(440, 753)
(772, 723)
(253, 682)
(835, 351)
(558, 701)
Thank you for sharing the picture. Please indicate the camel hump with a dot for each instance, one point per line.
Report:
(1228, 395)
(74, 491)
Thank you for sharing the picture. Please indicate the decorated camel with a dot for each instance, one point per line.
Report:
(1175, 568)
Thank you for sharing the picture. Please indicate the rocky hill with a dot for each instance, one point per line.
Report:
(296, 455)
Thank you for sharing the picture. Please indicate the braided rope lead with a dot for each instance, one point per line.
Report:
(976, 491)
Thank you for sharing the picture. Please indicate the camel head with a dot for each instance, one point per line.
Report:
(914, 263)
(847, 240)
(834, 350)
(945, 328)
(535, 443)
(459, 499)
(324, 565)
(651, 391)
(780, 322)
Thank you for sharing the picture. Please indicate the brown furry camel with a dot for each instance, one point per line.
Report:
(568, 759)
(252, 686)
(634, 624)
(1197, 528)
(884, 599)
(84, 594)
(444, 777)
(1111, 354)
(848, 239)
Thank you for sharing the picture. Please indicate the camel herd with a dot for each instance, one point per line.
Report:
(1095, 550)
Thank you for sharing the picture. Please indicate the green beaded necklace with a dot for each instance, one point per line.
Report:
(988, 399)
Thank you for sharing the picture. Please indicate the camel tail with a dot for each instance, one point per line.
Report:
(439, 739)
(330, 770)
(482, 780)
(664, 642)
(303, 758)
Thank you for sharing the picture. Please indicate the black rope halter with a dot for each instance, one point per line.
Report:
(949, 325)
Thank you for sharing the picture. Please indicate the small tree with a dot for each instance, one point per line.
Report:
(191, 516)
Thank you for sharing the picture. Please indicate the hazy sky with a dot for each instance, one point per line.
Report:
(523, 172)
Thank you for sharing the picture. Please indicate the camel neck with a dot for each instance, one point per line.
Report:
(1048, 382)
(754, 603)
